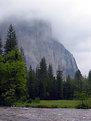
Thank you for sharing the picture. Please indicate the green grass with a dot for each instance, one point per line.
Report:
(60, 103)
(50, 104)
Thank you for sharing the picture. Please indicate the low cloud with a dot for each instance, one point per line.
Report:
(71, 20)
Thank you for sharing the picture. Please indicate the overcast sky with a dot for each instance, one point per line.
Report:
(71, 22)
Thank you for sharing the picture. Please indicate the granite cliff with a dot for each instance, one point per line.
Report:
(35, 37)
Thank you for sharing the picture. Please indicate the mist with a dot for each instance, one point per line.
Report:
(70, 21)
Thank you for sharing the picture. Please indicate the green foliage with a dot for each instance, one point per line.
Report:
(33, 84)
(82, 106)
(50, 72)
(29, 100)
(18, 84)
(42, 84)
(81, 96)
(59, 83)
(8, 97)
(89, 77)
(12, 77)
(89, 82)
(16, 73)
(78, 81)
(11, 41)
(43, 67)
(1, 51)
(23, 55)
(13, 55)
(50, 104)
(68, 89)
(84, 98)
(37, 100)
(43, 78)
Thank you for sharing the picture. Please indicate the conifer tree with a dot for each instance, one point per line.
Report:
(1, 51)
(68, 89)
(50, 71)
(31, 86)
(89, 82)
(89, 77)
(78, 80)
(24, 58)
(43, 78)
(51, 83)
(43, 67)
(38, 72)
(59, 83)
(11, 41)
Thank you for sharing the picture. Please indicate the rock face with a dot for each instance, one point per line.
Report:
(36, 39)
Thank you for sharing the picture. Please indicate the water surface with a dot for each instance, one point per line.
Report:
(38, 114)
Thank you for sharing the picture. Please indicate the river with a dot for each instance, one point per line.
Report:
(43, 114)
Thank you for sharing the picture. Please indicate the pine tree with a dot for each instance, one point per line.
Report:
(43, 77)
(43, 66)
(50, 71)
(38, 71)
(22, 52)
(78, 80)
(51, 83)
(1, 51)
(31, 86)
(89, 82)
(11, 41)
(78, 75)
(68, 89)
(89, 77)
(59, 83)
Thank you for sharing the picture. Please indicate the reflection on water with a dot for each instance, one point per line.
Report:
(38, 114)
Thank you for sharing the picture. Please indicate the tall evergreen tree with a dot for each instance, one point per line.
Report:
(78, 75)
(43, 79)
(59, 83)
(68, 89)
(78, 80)
(38, 71)
(51, 86)
(43, 66)
(1, 51)
(89, 83)
(11, 41)
(22, 52)
(50, 71)
(33, 84)
(89, 77)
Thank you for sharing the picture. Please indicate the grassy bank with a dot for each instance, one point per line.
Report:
(52, 104)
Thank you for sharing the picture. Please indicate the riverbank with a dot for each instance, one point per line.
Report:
(53, 104)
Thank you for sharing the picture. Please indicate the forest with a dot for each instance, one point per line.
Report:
(19, 84)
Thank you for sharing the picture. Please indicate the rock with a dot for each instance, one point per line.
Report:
(36, 39)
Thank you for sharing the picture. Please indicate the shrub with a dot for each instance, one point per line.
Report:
(37, 100)
(8, 97)
(29, 100)
(82, 106)
(27, 105)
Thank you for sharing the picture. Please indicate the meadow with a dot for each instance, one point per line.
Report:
(53, 104)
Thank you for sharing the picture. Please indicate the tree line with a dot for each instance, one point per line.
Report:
(43, 84)
(18, 83)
